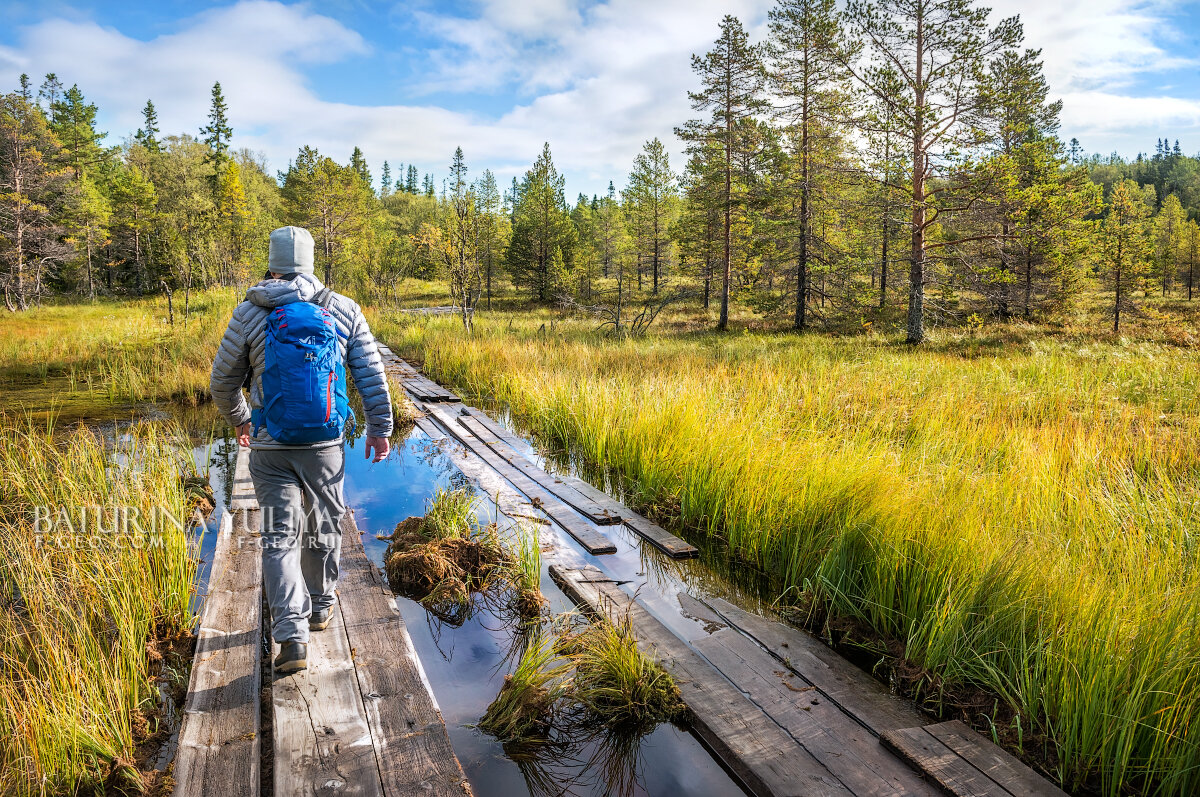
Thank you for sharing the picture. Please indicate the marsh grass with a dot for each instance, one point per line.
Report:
(530, 699)
(80, 605)
(85, 358)
(615, 683)
(1016, 509)
(524, 572)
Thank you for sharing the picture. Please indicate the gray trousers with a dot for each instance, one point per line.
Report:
(300, 493)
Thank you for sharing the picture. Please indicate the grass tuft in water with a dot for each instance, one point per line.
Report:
(531, 696)
(617, 684)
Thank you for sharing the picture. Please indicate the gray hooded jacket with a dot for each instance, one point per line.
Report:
(243, 351)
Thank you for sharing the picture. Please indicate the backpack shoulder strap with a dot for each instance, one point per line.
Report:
(323, 298)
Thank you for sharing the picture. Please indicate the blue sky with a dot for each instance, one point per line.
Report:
(408, 82)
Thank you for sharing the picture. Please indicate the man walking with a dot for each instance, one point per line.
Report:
(291, 342)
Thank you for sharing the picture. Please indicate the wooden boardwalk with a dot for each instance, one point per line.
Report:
(361, 720)
(785, 714)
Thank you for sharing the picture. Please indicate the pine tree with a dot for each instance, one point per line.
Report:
(31, 194)
(134, 200)
(543, 238)
(1191, 253)
(806, 60)
(926, 59)
(428, 186)
(410, 181)
(73, 120)
(1022, 122)
(88, 213)
(217, 133)
(385, 180)
(50, 91)
(147, 135)
(233, 214)
(733, 78)
(1123, 238)
(333, 203)
(1169, 231)
(652, 193)
(489, 209)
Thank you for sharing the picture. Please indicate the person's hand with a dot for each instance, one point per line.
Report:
(381, 446)
(243, 434)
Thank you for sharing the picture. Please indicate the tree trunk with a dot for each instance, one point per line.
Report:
(1028, 309)
(170, 304)
(723, 321)
(916, 275)
(883, 255)
(1117, 303)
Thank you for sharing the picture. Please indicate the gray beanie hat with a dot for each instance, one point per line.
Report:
(291, 251)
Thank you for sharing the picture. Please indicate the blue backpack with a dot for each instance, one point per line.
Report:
(304, 379)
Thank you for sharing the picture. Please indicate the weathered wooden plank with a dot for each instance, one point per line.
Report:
(994, 762)
(855, 691)
(945, 767)
(657, 536)
(660, 538)
(600, 515)
(581, 530)
(412, 747)
(242, 496)
(849, 751)
(502, 434)
(595, 505)
(754, 747)
(322, 739)
(218, 749)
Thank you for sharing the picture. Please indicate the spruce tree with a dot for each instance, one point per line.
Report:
(733, 80)
(147, 134)
(217, 133)
(652, 192)
(359, 164)
(385, 180)
(73, 120)
(543, 238)
(410, 180)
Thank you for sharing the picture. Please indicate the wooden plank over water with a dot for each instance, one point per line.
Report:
(753, 746)
(322, 738)
(949, 770)
(219, 740)
(409, 736)
(855, 691)
(585, 533)
(849, 751)
(988, 758)
(600, 515)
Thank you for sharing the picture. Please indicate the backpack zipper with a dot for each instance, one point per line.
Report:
(329, 397)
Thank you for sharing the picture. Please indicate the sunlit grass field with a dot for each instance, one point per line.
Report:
(82, 605)
(1018, 509)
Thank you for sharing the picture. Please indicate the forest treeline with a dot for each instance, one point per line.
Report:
(890, 153)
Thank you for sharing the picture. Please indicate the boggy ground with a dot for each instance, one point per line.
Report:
(1010, 509)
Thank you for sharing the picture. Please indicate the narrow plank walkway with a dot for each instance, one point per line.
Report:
(219, 743)
(361, 720)
(784, 713)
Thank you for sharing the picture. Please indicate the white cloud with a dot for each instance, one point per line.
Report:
(1095, 52)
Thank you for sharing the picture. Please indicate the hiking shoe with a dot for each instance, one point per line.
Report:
(319, 620)
(293, 657)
